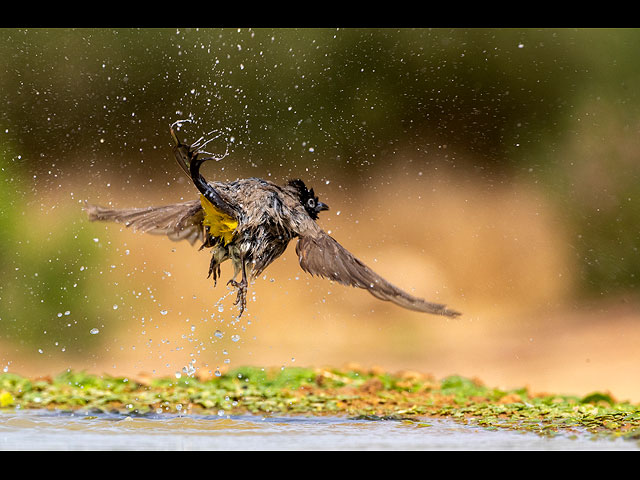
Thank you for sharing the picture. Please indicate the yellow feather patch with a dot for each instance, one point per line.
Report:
(220, 224)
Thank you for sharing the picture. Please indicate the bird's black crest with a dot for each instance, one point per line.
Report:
(308, 199)
(302, 190)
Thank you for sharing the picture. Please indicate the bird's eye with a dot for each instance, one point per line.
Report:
(311, 203)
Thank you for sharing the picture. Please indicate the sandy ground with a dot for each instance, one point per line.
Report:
(498, 253)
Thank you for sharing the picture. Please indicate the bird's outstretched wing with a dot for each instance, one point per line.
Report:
(320, 254)
(180, 221)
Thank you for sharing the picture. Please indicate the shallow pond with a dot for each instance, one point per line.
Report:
(50, 430)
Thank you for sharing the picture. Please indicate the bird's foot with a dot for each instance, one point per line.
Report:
(214, 269)
(241, 299)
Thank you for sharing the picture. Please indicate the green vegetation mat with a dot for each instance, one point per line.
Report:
(364, 394)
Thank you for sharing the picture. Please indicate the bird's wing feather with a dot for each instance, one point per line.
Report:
(320, 254)
(180, 221)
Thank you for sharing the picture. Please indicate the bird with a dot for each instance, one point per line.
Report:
(250, 223)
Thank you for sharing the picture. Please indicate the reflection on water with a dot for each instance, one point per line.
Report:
(46, 430)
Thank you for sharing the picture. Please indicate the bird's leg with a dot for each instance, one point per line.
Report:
(241, 299)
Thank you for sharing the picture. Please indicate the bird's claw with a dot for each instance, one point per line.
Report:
(241, 299)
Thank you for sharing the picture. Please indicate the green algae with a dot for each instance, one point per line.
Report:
(371, 395)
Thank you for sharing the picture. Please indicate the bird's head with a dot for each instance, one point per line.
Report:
(307, 198)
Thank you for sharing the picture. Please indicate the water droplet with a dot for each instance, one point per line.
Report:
(94, 331)
(163, 312)
(217, 373)
(218, 334)
(235, 338)
(115, 307)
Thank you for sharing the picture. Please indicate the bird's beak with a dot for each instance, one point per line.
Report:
(322, 207)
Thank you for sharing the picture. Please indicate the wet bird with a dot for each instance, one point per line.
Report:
(250, 222)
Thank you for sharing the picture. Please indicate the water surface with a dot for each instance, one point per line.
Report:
(47, 430)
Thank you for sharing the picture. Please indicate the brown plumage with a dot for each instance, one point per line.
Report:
(251, 222)
(181, 221)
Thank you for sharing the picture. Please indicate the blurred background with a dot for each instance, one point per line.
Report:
(495, 170)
